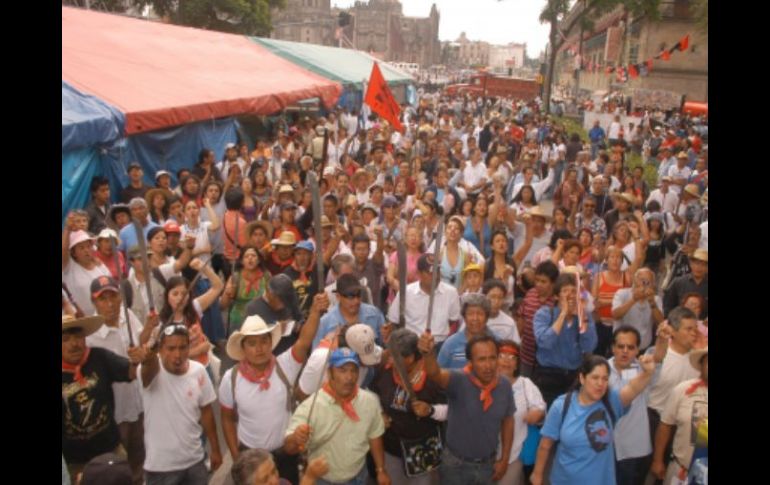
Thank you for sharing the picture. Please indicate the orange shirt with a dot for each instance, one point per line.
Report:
(230, 252)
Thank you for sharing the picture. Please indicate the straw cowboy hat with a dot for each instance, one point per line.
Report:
(89, 325)
(536, 211)
(266, 226)
(627, 197)
(253, 325)
(285, 239)
(692, 189)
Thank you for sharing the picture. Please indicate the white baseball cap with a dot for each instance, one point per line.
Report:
(360, 338)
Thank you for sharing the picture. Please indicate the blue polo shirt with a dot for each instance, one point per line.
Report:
(565, 350)
(452, 353)
(128, 236)
(367, 314)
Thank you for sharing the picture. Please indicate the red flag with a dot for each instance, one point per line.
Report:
(381, 100)
(684, 43)
(665, 55)
(632, 71)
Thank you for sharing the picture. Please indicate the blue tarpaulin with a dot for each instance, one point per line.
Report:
(170, 150)
(87, 121)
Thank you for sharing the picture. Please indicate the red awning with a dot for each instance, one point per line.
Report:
(164, 75)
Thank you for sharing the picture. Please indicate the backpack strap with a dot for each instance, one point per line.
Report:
(233, 380)
(159, 276)
(564, 409)
(290, 403)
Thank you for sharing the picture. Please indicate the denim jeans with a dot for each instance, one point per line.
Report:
(455, 471)
(195, 475)
(632, 471)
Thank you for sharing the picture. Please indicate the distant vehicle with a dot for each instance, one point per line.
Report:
(482, 84)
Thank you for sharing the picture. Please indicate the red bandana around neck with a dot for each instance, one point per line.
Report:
(346, 404)
(695, 386)
(486, 390)
(418, 381)
(250, 283)
(76, 369)
(251, 374)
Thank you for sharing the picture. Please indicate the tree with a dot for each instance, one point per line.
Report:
(248, 17)
(565, 20)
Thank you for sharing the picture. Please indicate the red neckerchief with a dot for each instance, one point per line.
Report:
(251, 282)
(416, 386)
(346, 404)
(304, 275)
(486, 391)
(251, 374)
(695, 386)
(76, 369)
(281, 264)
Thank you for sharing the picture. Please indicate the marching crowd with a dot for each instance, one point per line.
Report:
(438, 323)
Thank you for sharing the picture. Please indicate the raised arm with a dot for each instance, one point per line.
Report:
(211, 295)
(212, 215)
(435, 373)
(522, 252)
(301, 347)
(639, 383)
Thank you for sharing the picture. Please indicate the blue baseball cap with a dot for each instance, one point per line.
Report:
(343, 356)
(306, 245)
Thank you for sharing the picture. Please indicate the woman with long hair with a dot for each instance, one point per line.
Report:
(245, 286)
(250, 207)
(456, 253)
(157, 203)
(262, 189)
(502, 266)
(590, 250)
(415, 247)
(629, 187)
(530, 409)
(478, 227)
(560, 219)
(212, 191)
(180, 309)
(583, 420)
(608, 283)
(524, 200)
(191, 189)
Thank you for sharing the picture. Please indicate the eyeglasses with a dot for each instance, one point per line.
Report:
(356, 294)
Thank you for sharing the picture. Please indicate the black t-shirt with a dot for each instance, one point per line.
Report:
(404, 424)
(88, 422)
(130, 192)
(305, 289)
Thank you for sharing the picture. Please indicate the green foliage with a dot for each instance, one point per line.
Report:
(249, 17)
(650, 172)
(571, 125)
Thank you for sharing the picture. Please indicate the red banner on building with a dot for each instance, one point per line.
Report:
(381, 100)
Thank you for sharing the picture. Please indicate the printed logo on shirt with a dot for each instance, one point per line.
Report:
(400, 400)
(700, 412)
(598, 431)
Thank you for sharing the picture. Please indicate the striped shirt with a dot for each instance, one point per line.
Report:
(529, 307)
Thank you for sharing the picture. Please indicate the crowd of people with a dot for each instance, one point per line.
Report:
(554, 331)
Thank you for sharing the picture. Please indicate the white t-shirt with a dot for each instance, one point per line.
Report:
(504, 327)
(202, 241)
(526, 396)
(254, 405)
(632, 432)
(638, 316)
(614, 130)
(678, 173)
(704, 236)
(78, 281)
(472, 175)
(675, 368)
(446, 308)
(172, 414)
(128, 400)
(668, 202)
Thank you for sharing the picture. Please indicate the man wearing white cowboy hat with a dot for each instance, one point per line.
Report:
(88, 404)
(262, 384)
(345, 425)
(177, 395)
(532, 225)
(686, 412)
(79, 266)
(282, 255)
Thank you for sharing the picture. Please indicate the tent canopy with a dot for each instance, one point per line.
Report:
(346, 66)
(87, 120)
(162, 75)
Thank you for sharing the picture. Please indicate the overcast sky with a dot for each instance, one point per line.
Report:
(497, 22)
